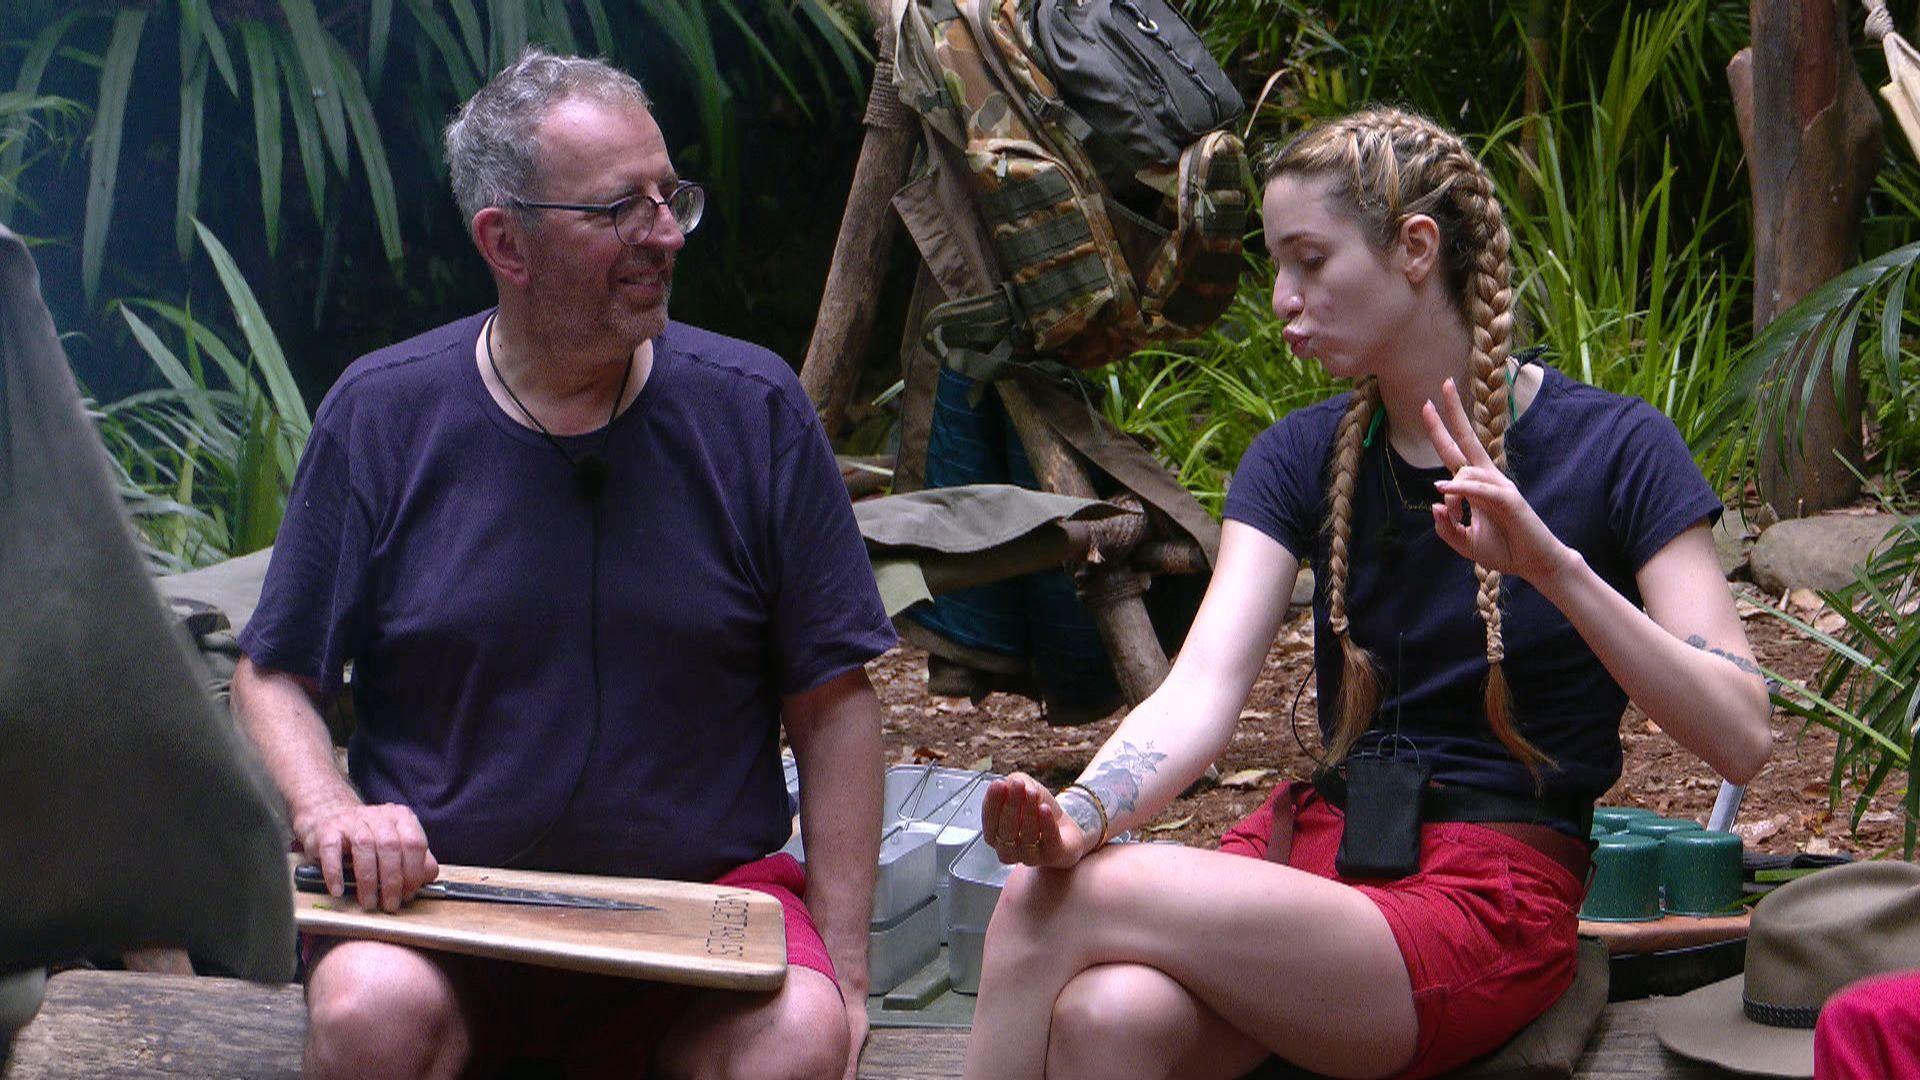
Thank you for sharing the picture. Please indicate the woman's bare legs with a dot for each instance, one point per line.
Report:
(1287, 959)
(1138, 1015)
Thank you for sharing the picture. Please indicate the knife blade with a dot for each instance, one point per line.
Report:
(309, 879)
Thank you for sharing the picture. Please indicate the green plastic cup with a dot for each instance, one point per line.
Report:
(1626, 879)
(1700, 873)
(1617, 818)
(1662, 827)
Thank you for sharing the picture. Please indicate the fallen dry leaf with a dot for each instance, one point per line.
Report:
(1245, 778)
(984, 764)
(1755, 831)
(1804, 601)
(1819, 845)
(1255, 714)
(1169, 826)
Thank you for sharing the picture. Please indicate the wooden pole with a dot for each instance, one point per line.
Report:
(1812, 140)
(831, 369)
(1112, 592)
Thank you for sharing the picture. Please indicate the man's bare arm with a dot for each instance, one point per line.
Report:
(386, 843)
(835, 732)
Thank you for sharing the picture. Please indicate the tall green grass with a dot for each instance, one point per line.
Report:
(1618, 271)
(204, 461)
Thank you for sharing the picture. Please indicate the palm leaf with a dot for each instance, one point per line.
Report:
(1793, 340)
(116, 78)
(32, 67)
(265, 347)
(201, 338)
(508, 20)
(766, 55)
(310, 47)
(373, 154)
(306, 127)
(469, 20)
(198, 15)
(266, 124)
(379, 34)
(556, 26)
(459, 68)
(602, 26)
(171, 369)
(186, 198)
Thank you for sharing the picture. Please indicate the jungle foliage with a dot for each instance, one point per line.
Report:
(232, 198)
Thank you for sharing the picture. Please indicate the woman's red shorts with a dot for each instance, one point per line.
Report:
(1487, 925)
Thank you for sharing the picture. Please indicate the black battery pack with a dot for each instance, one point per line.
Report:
(1382, 837)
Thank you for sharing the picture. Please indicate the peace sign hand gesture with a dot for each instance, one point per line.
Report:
(1502, 532)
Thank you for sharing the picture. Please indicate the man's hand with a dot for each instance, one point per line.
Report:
(388, 848)
(856, 1032)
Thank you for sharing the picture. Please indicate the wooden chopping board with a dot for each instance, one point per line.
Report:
(701, 935)
(1663, 934)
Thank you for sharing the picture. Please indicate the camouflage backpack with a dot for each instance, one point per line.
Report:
(1090, 135)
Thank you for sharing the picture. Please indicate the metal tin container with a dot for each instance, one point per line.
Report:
(902, 945)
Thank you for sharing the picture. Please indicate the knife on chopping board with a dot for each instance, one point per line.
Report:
(309, 879)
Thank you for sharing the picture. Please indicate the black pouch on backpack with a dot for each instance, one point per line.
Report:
(1136, 73)
(1381, 841)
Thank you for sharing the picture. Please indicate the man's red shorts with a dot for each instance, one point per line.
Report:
(1487, 925)
(596, 1024)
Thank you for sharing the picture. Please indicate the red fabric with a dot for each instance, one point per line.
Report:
(1870, 1030)
(596, 1024)
(1487, 926)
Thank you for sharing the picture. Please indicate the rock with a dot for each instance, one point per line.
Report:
(1733, 538)
(1302, 589)
(1819, 552)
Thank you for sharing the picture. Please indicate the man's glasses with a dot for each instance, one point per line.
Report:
(635, 216)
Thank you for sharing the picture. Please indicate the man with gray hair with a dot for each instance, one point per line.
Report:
(586, 563)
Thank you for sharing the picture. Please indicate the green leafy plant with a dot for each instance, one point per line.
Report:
(1868, 689)
(205, 461)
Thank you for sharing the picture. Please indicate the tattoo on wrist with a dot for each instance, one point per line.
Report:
(1080, 808)
(1735, 659)
(1118, 780)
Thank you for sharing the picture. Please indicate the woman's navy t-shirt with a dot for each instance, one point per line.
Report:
(1610, 475)
(444, 550)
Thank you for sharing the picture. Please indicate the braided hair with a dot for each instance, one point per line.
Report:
(1386, 165)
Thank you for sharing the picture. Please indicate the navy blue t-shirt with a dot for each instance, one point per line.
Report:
(444, 550)
(1610, 475)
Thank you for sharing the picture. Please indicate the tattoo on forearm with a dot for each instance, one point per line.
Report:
(1735, 659)
(1081, 810)
(1117, 781)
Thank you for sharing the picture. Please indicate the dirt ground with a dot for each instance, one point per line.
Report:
(1785, 809)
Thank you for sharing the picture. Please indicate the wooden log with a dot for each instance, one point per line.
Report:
(1112, 593)
(851, 298)
(123, 1023)
(1813, 139)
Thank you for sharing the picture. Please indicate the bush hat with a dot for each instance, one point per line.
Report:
(1808, 938)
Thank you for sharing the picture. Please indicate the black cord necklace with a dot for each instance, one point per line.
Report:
(589, 469)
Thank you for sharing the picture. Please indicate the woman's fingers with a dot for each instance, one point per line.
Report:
(1442, 439)
(1455, 414)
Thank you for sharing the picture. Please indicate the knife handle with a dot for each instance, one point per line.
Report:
(308, 878)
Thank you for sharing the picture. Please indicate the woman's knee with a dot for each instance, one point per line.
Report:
(382, 1010)
(1119, 1012)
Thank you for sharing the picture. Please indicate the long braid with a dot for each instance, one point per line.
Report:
(1389, 164)
(1360, 680)
(1489, 296)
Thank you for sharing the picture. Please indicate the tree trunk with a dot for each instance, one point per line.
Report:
(849, 302)
(1812, 139)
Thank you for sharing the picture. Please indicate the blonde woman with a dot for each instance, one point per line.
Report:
(1505, 557)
